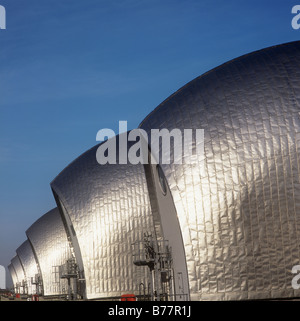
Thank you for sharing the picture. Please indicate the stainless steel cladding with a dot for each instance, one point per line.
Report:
(13, 274)
(51, 248)
(106, 208)
(20, 285)
(238, 207)
(29, 265)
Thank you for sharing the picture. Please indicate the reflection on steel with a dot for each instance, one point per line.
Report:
(20, 276)
(13, 275)
(51, 247)
(29, 265)
(221, 226)
(238, 208)
(108, 209)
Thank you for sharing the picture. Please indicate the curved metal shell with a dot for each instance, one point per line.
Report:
(29, 265)
(13, 274)
(108, 207)
(51, 248)
(239, 208)
(20, 276)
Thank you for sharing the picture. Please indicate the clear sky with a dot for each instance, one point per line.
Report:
(69, 68)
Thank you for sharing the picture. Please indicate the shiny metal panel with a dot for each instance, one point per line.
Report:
(29, 265)
(239, 208)
(51, 247)
(13, 275)
(16, 263)
(109, 208)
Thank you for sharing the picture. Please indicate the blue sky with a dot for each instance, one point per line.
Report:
(69, 68)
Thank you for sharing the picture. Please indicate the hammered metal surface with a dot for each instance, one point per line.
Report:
(20, 276)
(29, 265)
(109, 208)
(13, 274)
(239, 208)
(51, 247)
